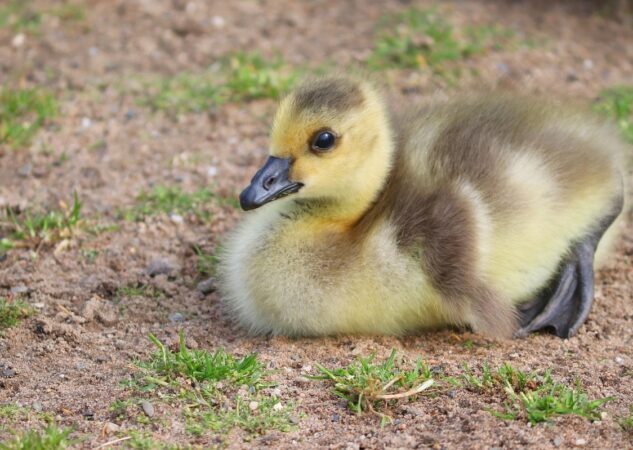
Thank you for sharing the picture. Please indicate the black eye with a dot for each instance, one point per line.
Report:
(323, 141)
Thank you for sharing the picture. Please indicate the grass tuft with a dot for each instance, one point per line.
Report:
(536, 398)
(11, 312)
(33, 230)
(617, 103)
(22, 113)
(207, 262)
(367, 385)
(170, 200)
(215, 392)
(185, 92)
(51, 438)
(627, 422)
(202, 366)
(238, 77)
(424, 39)
(20, 16)
(251, 76)
(270, 414)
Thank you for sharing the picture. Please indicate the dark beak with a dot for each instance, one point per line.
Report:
(269, 183)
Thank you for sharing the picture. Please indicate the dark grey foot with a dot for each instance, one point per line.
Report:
(565, 304)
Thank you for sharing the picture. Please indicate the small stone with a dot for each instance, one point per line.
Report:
(336, 418)
(276, 392)
(25, 170)
(6, 371)
(217, 21)
(176, 218)
(503, 68)
(581, 442)
(253, 406)
(619, 360)
(587, 64)
(81, 365)
(278, 407)
(110, 428)
(88, 414)
(451, 393)
(19, 289)
(18, 40)
(159, 266)
(86, 122)
(302, 380)
(514, 355)
(293, 420)
(207, 286)
(37, 407)
(572, 77)
(148, 408)
(212, 171)
(176, 317)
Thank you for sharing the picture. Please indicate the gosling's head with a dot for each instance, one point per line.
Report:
(331, 142)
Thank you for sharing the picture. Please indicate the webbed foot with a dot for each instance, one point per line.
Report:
(564, 304)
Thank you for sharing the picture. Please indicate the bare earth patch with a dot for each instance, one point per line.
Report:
(157, 183)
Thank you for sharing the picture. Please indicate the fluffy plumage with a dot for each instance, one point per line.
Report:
(451, 213)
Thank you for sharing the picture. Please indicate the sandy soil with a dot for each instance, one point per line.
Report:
(69, 358)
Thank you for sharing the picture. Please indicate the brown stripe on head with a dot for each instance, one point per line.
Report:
(331, 94)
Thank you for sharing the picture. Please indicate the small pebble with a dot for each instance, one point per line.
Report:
(207, 286)
(25, 170)
(293, 420)
(557, 441)
(580, 442)
(253, 405)
(37, 407)
(111, 428)
(18, 40)
(19, 289)
(159, 266)
(7, 372)
(148, 408)
(277, 407)
(217, 21)
(86, 122)
(176, 218)
(276, 392)
(336, 418)
(212, 171)
(619, 360)
(176, 317)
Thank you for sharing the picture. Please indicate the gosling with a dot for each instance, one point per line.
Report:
(483, 213)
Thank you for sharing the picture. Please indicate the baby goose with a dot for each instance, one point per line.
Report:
(484, 213)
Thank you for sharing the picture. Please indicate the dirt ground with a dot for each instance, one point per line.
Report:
(69, 358)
